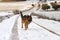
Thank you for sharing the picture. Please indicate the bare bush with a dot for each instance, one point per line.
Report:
(45, 6)
(55, 6)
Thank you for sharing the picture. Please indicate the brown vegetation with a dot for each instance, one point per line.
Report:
(55, 5)
(45, 6)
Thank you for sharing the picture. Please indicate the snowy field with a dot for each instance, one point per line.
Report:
(50, 14)
(10, 29)
(34, 32)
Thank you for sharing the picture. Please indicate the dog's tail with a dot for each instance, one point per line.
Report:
(21, 14)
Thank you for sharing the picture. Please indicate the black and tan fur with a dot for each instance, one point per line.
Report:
(26, 20)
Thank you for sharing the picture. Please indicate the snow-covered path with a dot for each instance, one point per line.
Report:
(14, 33)
(9, 31)
(35, 32)
(6, 28)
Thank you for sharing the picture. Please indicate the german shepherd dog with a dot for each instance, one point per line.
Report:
(26, 20)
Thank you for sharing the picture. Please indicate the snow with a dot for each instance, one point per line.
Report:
(50, 14)
(52, 25)
(34, 31)
(6, 13)
(6, 28)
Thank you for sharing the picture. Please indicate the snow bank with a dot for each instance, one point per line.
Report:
(50, 24)
(55, 15)
(6, 28)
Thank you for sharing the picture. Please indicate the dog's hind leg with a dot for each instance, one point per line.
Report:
(22, 24)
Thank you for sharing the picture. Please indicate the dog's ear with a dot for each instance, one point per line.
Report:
(16, 12)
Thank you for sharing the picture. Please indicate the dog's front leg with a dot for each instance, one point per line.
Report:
(26, 26)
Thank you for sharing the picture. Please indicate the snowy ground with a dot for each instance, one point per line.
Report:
(6, 28)
(10, 29)
(34, 32)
